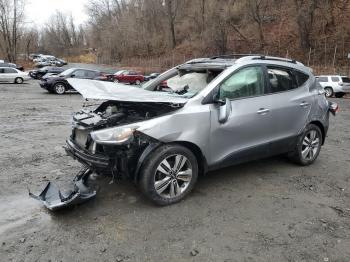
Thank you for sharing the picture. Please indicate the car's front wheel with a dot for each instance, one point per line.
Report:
(308, 146)
(169, 174)
(137, 82)
(59, 88)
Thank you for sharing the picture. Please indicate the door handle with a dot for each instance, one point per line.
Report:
(304, 104)
(263, 111)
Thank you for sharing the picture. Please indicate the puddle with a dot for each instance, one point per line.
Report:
(21, 212)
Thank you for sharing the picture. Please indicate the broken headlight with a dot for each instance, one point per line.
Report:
(116, 135)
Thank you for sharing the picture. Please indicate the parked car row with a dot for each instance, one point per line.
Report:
(41, 60)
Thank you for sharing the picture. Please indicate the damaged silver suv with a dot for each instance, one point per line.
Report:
(203, 115)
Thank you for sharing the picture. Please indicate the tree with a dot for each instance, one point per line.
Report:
(11, 18)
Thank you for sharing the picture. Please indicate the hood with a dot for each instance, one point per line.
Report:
(93, 89)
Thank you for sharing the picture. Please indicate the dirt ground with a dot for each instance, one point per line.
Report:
(267, 210)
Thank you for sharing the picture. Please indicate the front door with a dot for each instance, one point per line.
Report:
(247, 132)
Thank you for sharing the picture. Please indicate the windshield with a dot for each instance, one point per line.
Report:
(119, 72)
(67, 72)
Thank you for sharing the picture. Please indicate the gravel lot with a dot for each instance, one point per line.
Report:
(268, 210)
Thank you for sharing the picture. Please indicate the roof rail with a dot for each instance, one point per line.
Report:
(271, 58)
(234, 56)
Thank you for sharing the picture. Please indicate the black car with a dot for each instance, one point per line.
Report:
(58, 83)
(151, 76)
(21, 68)
(38, 74)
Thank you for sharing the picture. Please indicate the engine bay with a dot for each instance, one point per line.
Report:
(114, 113)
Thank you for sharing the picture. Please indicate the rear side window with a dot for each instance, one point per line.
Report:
(10, 71)
(246, 82)
(280, 79)
(335, 79)
(91, 74)
(301, 77)
(322, 79)
(345, 79)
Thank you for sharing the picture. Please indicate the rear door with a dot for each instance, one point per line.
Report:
(290, 101)
(9, 74)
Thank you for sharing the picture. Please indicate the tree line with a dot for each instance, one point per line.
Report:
(120, 29)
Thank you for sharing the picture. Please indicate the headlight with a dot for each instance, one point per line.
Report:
(116, 135)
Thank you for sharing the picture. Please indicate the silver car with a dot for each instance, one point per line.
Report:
(200, 116)
(13, 75)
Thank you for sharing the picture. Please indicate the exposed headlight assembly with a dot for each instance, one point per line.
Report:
(113, 136)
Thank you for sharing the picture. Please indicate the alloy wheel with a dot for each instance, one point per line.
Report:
(311, 145)
(173, 176)
(60, 89)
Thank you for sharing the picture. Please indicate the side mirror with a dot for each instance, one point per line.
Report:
(217, 100)
(224, 111)
(73, 75)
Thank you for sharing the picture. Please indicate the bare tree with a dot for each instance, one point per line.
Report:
(257, 10)
(11, 18)
(171, 12)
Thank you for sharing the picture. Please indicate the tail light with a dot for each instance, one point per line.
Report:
(333, 108)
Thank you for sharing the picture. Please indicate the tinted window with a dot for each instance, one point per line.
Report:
(346, 79)
(91, 74)
(79, 74)
(301, 77)
(322, 79)
(10, 71)
(132, 73)
(246, 82)
(335, 79)
(280, 79)
(1, 70)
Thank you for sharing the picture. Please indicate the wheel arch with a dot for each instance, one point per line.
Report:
(321, 127)
(202, 162)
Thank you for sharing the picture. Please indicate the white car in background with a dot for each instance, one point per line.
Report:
(334, 85)
(9, 74)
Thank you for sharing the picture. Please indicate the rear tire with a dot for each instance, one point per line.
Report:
(308, 146)
(328, 91)
(339, 95)
(59, 88)
(168, 174)
(19, 80)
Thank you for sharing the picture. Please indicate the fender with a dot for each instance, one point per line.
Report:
(148, 150)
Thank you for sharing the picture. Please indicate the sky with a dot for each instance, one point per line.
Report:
(39, 11)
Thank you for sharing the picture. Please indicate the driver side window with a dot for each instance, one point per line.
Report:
(246, 82)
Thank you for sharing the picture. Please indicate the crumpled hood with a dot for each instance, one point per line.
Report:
(94, 89)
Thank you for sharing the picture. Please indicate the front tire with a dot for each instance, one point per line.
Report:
(59, 88)
(137, 82)
(308, 146)
(19, 80)
(169, 174)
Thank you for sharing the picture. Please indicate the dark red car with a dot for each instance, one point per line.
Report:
(126, 76)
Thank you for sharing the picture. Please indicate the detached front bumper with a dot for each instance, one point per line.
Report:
(87, 158)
